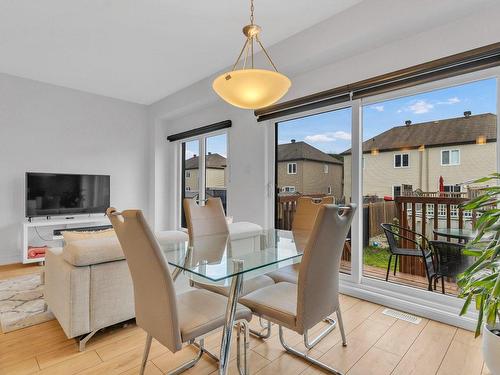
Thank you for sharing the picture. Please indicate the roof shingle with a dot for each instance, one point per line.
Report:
(304, 151)
(453, 131)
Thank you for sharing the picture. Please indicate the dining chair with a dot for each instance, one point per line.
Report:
(304, 217)
(210, 220)
(422, 249)
(450, 261)
(301, 306)
(169, 318)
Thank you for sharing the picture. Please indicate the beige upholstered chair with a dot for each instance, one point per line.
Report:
(210, 219)
(301, 306)
(303, 221)
(169, 318)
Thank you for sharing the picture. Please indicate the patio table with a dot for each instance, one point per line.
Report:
(219, 260)
(460, 234)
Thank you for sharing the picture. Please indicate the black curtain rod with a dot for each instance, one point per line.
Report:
(199, 131)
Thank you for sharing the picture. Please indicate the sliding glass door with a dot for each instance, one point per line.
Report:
(310, 163)
(421, 154)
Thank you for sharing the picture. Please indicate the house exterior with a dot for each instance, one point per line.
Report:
(302, 168)
(216, 165)
(415, 156)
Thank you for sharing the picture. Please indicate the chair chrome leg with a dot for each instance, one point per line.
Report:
(188, 364)
(388, 268)
(260, 334)
(331, 325)
(149, 339)
(205, 350)
(305, 356)
(341, 327)
(84, 340)
(242, 326)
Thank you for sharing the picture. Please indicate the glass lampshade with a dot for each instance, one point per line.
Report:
(251, 88)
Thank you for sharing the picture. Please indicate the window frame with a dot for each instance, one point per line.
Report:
(450, 151)
(291, 164)
(400, 190)
(180, 176)
(401, 154)
(435, 306)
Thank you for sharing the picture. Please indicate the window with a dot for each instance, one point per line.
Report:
(292, 168)
(450, 157)
(452, 188)
(325, 168)
(204, 169)
(396, 191)
(288, 189)
(329, 190)
(401, 160)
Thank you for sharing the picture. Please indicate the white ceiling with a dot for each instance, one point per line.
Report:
(140, 50)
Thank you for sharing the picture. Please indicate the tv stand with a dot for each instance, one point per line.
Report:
(32, 228)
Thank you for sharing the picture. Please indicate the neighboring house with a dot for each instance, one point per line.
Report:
(304, 169)
(415, 156)
(216, 165)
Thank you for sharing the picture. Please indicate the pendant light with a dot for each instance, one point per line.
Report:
(248, 87)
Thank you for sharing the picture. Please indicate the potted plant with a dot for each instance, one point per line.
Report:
(481, 281)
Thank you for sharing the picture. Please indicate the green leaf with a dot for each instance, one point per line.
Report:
(480, 317)
(492, 313)
(466, 305)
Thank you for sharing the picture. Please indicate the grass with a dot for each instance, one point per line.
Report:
(376, 256)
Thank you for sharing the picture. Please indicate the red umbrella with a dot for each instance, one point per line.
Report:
(441, 184)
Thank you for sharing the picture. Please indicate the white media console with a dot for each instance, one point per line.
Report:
(39, 231)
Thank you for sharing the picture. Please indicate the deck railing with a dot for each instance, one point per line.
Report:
(439, 208)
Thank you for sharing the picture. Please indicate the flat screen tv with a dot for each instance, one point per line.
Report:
(51, 194)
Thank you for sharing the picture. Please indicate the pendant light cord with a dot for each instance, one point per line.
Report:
(251, 12)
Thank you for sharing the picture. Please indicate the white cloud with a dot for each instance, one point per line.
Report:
(451, 101)
(342, 135)
(319, 138)
(378, 108)
(419, 107)
(328, 137)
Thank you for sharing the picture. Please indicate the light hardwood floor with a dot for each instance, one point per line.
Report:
(377, 344)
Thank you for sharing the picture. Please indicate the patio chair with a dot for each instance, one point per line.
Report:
(450, 260)
(422, 249)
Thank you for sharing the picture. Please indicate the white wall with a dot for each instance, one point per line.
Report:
(197, 105)
(52, 129)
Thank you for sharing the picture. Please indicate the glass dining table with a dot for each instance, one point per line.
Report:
(221, 260)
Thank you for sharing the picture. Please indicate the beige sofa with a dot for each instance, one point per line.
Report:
(88, 284)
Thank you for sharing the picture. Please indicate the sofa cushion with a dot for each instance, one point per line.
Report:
(171, 236)
(70, 236)
(244, 229)
(92, 251)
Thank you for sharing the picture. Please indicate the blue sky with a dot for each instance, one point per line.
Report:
(331, 131)
(215, 144)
